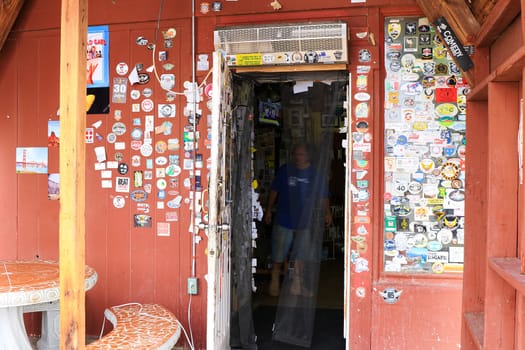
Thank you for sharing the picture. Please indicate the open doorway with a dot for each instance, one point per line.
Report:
(287, 109)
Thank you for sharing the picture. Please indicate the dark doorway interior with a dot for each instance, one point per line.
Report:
(287, 108)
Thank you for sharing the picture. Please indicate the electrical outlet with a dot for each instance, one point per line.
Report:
(192, 285)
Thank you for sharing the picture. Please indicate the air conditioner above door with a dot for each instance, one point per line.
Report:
(287, 44)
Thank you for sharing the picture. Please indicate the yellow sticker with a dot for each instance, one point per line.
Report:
(252, 59)
(434, 201)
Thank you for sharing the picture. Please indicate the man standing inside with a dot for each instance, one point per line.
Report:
(301, 194)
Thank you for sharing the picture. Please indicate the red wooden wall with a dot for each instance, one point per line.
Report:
(134, 264)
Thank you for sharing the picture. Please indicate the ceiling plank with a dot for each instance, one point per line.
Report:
(499, 18)
(481, 8)
(9, 10)
(458, 15)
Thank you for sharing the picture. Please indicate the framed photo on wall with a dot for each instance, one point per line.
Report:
(328, 120)
(296, 117)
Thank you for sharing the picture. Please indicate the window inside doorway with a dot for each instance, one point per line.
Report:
(424, 151)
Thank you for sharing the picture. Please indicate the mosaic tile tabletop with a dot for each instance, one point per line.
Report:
(33, 282)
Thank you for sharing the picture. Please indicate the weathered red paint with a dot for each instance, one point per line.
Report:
(135, 265)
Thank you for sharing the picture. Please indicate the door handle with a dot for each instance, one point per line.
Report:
(204, 226)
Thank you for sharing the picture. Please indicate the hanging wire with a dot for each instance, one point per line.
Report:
(154, 50)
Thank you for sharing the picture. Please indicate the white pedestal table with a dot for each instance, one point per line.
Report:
(31, 286)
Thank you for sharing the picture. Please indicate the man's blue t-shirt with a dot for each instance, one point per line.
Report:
(299, 192)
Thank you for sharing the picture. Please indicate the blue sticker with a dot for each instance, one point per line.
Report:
(402, 140)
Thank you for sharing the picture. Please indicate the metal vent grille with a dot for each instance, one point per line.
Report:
(283, 44)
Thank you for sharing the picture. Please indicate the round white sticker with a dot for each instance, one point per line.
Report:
(135, 94)
(119, 202)
(122, 68)
(146, 149)
(162, 184)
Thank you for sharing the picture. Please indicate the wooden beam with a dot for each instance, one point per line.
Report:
(459, 17)
(72, 173)
(457, 14)
(510, 270)
(9, 10)
(498, 19)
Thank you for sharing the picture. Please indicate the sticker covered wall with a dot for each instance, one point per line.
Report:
(424, 151)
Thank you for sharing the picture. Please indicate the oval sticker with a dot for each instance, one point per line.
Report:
(147, 92)
(410, 77)
(362, 96)
(119, 128)
(161, 160)
(434, 246)
(138, 196)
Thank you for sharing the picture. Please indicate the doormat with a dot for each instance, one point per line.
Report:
(328, 330)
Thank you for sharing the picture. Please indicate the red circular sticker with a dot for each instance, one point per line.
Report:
(147, 105)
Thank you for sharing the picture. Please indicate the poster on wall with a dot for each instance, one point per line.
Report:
(424, 156)
(31, 160)
(269, 112)
(97, 68)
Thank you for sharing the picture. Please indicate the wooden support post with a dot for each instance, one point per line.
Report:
(72, 172)
(502, 208)
(521, 172)
(475, 228)
(520, 321)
